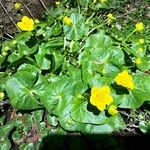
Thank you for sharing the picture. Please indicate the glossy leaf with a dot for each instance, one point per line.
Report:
(80, 113)
(24, 89)
(78, 29)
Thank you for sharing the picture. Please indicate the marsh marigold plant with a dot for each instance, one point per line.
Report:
(100, 97)
(125, 80)
(26, 24)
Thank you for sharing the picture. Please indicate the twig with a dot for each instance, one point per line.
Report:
(9, 35)
(9, 15)
(125, 14)
(27, 8)
(41, 1)
(132, 126)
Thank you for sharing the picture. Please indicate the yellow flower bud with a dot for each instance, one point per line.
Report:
(140, 49)
(138, 61)
(14, 42)
(139, 26)
(6, 48)
(17, 6)
(141, 41)
(57, 3)
(103, 1)
(94, 1)
(69, 121)
(36, 21)
(112, 110)
(2, 95)
(4, 53)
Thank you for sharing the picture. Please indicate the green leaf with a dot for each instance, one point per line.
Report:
(98, 80)
(144, 126)
(99, 56)
(98, 41)
(58, 60)
(59, 94)
(26, 146)
(85, 2)
(28, 67)
(42, 61)
(77, 30)
(37, 115)
(113, 123)
(24, 89)
(23, 36)
(117, 122)
(16, 136)
(2, 58)
(3, 78)
(67, 122)
(56, 42)
(80, 113)
(5, 144)
(73, 72)
(52, 120)
(22, 50)
(98, 129)
(58, 99)
(145, 64)
(56, 29)
(6, 129)
(2, 118)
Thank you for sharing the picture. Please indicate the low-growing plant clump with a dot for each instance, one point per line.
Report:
(82, 69)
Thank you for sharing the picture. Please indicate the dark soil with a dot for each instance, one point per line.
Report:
(9, 16)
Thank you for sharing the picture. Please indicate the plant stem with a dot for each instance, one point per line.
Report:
(89, 18)
(129, 36)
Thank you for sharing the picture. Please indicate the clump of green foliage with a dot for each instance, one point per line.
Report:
(55, 66)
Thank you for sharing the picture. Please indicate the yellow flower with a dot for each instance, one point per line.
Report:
(103, 1)
(141, 41)
(17, 6)
(125, 80)
(67, 20)
(139, 26)
(2, 95)
(140, 49)
(26, 24)
(100, 97)
(110, 17)
(112, 110)
(138, 61)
